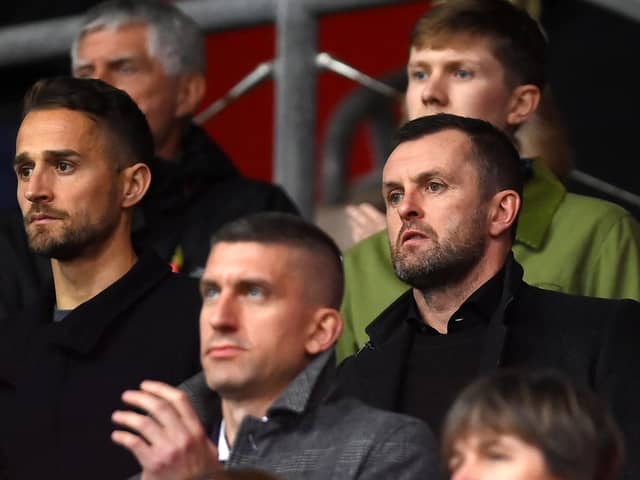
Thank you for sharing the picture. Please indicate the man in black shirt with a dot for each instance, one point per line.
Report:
(452, 188)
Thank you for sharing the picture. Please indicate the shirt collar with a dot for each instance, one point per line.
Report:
(223, 446)
(296, 396)
(543, 194)
(480, 305)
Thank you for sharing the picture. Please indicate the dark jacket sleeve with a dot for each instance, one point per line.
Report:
(618, 377)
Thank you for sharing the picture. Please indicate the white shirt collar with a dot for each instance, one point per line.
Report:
(223, 446)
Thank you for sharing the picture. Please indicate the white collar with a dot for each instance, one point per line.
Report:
(223, 446)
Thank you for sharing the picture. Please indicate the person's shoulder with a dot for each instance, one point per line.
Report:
(242, 181)
(184, 286)
(582, 309)
(171, 287)
(249, 195)
(182, 281)
(360, 419)
(591, 209)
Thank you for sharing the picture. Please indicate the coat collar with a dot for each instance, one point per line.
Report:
(380, 364)
(310, 387)
(83, 327)
(205, 402)
(543, 194)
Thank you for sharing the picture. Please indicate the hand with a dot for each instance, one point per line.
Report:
(170, 443)
(364, 221)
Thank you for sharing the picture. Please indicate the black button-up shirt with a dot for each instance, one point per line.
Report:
(440, 365)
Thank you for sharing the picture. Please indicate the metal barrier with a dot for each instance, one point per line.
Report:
(294, 68)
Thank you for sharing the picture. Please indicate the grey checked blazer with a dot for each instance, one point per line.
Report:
(311, 433)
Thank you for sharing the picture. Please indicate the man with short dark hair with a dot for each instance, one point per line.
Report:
(155, 53)
(486, 59)
(452, 191)
(114, 315)
(269, 320)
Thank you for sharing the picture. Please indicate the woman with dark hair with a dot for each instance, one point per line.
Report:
(520, 425)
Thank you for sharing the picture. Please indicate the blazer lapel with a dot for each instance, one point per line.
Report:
(380, 364)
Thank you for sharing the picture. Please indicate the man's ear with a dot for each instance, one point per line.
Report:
(323, 331)
(135, 182)
(503, 211)
(523, 103)
(191, 90)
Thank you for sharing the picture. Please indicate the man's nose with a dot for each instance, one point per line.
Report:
(434, 91)
(410, 206)
(223, 314)
(38, 187)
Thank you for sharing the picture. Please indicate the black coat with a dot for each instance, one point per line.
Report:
(193, 195)
(592, 340)
(23, 274)
(60, 382)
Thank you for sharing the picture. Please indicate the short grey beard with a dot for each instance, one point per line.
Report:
(445, 265)
(442, 267)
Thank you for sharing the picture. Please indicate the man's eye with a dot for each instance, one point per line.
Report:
(463, 74)
(418, 74)
(394, 198)
(127, 68)
(64, 167)
(24, 172)
(255, 292)
(210, 293)
(435, 187)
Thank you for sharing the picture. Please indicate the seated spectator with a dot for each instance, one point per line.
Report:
(269, 321)
(155, 53)
(113, 316)
(453, 191)
(517, 425)
(485, 59)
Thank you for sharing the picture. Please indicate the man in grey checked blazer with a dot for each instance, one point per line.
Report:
(271, 292)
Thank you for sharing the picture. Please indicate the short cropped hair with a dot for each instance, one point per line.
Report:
(515, 38)
(109, 107)
(497, 160)
(174, 38)
(275, 228)
(574, 432)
